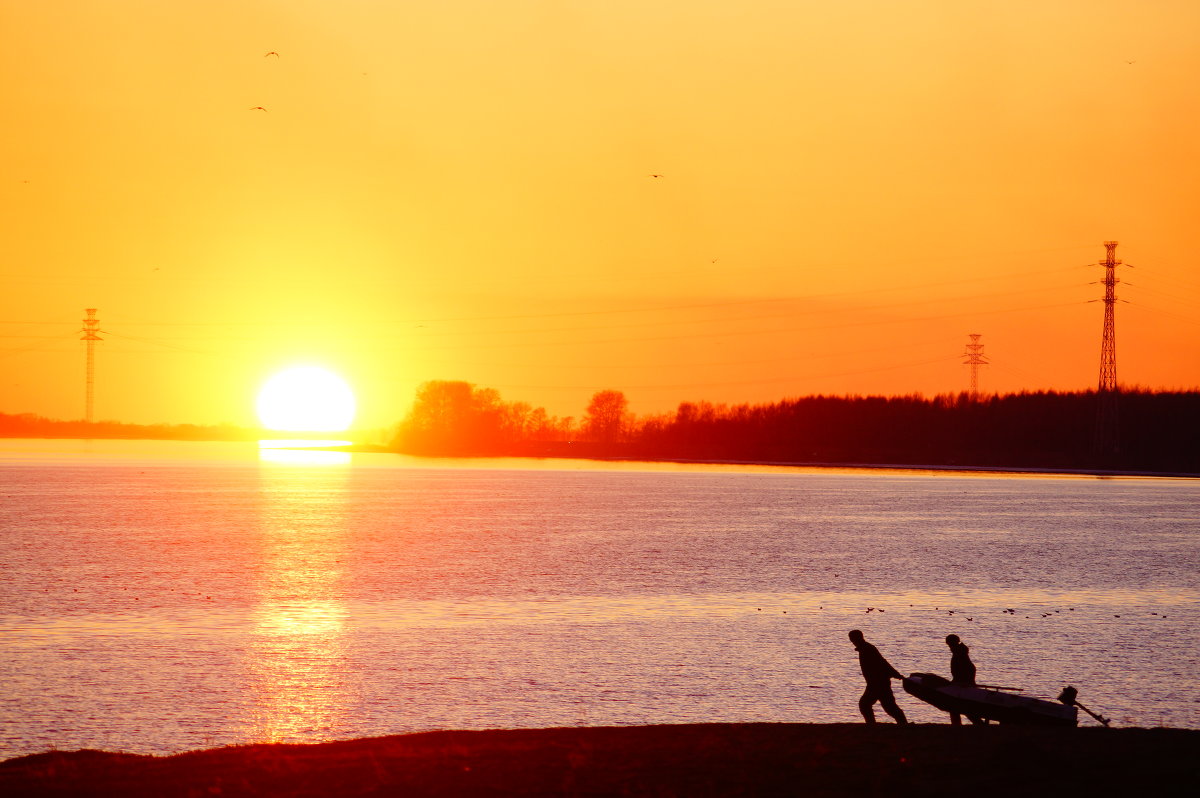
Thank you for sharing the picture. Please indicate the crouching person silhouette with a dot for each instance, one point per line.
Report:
(879, 674)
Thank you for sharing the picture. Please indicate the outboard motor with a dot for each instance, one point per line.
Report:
(1067, 696)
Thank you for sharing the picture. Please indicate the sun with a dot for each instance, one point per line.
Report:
(306, 399)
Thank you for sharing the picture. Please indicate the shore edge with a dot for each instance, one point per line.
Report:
(674, 760)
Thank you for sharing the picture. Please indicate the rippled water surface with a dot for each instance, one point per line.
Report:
(162, 597)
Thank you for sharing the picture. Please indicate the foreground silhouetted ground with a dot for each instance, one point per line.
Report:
(694, 760)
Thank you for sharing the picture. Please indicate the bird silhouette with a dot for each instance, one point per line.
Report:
(271, 53)
(655, 175)
(259, 108)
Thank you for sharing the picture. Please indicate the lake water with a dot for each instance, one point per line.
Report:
(160, 597)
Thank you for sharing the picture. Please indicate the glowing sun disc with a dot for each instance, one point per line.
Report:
(306, 399)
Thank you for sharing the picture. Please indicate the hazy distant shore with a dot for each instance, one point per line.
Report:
(691, 760)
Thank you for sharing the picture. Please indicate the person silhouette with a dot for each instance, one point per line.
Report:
(878, 673)
(962, 672)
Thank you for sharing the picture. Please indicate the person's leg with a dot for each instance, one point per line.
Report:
(956, 719)
(888, 701)
(865, 705)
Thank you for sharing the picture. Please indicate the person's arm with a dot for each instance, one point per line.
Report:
(881, 667)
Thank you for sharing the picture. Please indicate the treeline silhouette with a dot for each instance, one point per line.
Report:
(1158, 431)
(28, 425)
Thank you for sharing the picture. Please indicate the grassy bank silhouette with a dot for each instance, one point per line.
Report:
(684, 760)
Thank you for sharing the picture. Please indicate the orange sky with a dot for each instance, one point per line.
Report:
(460, 189)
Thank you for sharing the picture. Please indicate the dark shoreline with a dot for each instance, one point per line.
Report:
(685, 760)
(370, 448)
(1082, 472)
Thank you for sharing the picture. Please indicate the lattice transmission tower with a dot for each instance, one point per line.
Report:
(91, 330)
(974, 359)
(1108, 343)
(1107, 437)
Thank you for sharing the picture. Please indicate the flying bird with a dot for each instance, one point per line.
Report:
(259, 108)
(272, 53)
(655, 175)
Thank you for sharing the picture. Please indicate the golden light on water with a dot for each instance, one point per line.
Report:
(300, 622)
(306, 399)
(302, 452)
(299, 657)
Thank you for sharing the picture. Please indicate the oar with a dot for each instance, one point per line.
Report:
(998, 687)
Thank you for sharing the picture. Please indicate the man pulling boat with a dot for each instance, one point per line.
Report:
(878, 673)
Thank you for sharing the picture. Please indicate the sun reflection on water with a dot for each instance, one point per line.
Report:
(297, 661)
(302, 452)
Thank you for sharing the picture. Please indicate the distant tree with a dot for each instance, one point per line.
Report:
(516, 421)
(538, 426)
(565, 428)
(440, 419)
(455, 417)
(604, 421)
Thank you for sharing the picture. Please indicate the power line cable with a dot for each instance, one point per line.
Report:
(654, 309)
(771, 381)
(34, 347)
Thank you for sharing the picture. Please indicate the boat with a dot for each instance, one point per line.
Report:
(991, 703)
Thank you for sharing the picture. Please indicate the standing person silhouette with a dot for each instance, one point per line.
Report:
(879, 674)
(962, 671)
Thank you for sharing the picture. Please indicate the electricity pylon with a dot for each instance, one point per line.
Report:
(1107, 431)
(91, 328)
(974, 359)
